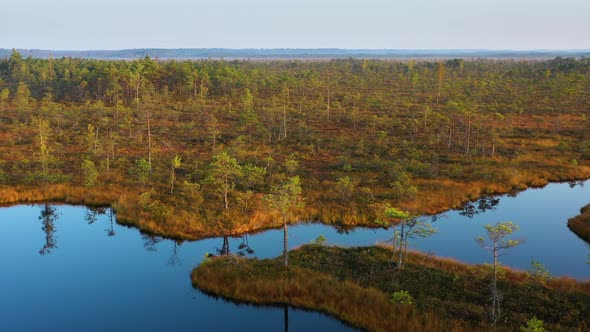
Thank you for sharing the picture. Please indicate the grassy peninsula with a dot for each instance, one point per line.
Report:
(356, 285)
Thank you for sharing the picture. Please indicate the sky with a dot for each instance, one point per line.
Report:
(352, 24)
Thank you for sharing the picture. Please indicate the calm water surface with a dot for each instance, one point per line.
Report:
(71, 268)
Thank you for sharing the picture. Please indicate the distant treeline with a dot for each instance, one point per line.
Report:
(296, 53)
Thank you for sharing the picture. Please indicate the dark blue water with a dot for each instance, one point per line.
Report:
(71, 269)
(90, 281)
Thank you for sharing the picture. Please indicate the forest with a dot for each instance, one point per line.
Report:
(191, 149)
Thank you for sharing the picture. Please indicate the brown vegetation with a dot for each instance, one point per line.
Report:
(261, 282)
(357, 133)
(353, 284)
(580, 224)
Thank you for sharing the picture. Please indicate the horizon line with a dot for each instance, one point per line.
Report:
(306, 48)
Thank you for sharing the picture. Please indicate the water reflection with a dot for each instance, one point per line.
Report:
(480, 206)
(135, 276)
(111, 230)
(286, 310)
(224, 250)
(150, 242)
(243, 249)
(48, 218)
(174, 259)
(92, 213)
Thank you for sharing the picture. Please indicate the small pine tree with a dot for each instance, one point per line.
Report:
(90, 173)
(533, 325)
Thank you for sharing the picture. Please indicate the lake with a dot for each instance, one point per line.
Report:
(71, 268)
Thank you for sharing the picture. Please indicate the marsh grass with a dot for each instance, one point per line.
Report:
(354, 285)
(270, 283)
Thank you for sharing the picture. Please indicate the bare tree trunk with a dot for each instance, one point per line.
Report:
(493, 148)
(495, 298)
(393, 244)
(225, 190)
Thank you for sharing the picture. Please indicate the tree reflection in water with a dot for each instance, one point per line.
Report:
(48, 218)
(150, 242)
(111, 230)
(286, 310)
(482, 205)
(244, 248)
(224, 250)
(92, 213)
(174, 260)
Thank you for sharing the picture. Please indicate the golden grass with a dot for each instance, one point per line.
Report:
(353, 285)
(261, 282)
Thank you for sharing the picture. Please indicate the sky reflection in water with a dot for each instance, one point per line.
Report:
(72, 268)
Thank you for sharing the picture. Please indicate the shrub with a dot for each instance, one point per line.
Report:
(90, 173)
(320, 240)
(533, 325)
(402, 297)
(539, 272)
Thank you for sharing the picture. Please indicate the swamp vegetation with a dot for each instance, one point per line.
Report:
(360, 286)
(189, 149)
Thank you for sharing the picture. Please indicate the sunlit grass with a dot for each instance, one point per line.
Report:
(354, 284)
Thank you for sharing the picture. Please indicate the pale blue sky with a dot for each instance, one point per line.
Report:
(395, 24)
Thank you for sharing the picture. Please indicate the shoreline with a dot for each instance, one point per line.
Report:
(268, 282)
(128, 213)
(580, 224)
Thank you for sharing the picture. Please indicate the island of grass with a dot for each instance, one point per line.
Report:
(580, 224)
(356, 285)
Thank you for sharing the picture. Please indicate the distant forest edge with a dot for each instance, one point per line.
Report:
(295, 53)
